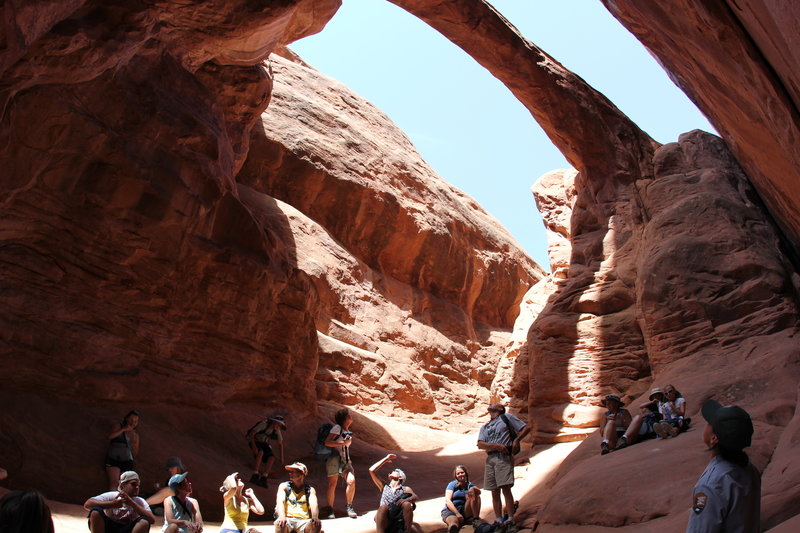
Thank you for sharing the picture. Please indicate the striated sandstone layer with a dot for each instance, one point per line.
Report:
(739, 62)
(676, 271)
(419, 287)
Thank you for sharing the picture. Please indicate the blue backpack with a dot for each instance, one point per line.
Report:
(322, 452)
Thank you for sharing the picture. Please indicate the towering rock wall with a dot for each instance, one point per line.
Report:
(142, 268)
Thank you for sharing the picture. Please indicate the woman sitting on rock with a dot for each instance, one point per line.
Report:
(614, 424)
(462, 501)
(238, 504)
(643, 425)
(673, 409)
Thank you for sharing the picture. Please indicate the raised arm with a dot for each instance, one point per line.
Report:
(255, 505)
(377, 466)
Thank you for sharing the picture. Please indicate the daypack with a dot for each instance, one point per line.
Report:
(288, 489)
(322, 452)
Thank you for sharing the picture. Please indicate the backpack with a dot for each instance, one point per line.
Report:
(250, 432)
(322, 452)
(288, 489)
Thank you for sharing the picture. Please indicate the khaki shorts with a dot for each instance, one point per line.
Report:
(299, 525)
(335, 467)
(499, 471)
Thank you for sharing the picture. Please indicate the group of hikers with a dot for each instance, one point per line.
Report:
(725, 498)
(662, 416)
(297, 509)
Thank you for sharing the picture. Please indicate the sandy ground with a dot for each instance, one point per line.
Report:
(424, 470)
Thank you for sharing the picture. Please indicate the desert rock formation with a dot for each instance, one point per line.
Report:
(166, 246)
(196, 232)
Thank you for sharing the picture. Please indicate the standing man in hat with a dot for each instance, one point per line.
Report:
(120, 511)
(500, 438)
(182, 513)
(727, 497)
(296, 504)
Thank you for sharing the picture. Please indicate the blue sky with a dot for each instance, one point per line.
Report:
(464, 122)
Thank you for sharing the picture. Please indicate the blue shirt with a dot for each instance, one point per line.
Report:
(727, 499)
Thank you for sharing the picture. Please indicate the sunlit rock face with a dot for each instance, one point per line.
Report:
(701, 280)
(419, 287)
(142, 269)
(739, 61)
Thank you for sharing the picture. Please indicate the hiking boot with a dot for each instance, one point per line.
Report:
(661, 430)
(604, 448)
(351, 512)
(671, 430)
(622, 442)
(255, 479)
(264, 482)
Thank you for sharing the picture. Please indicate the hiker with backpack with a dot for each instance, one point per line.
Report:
(296, 506)
(395, 512)
(259, 437)
(500, 438)
(339, 463)
(181, 513)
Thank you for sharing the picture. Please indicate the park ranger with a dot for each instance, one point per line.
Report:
(727, 497)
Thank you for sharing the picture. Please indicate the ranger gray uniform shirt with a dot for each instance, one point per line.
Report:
(496, 431)
(727, 499)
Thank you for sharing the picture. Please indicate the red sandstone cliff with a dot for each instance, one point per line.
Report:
(166, 246)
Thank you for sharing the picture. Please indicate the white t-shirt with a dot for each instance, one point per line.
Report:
(125, 514)
(667, 410)
(345, 437)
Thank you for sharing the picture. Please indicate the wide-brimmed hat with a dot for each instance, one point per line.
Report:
(731, 424)
(297, 466)
(655, 391)
(176, 480)
(174, 462)
(279, 420)
(613, 397)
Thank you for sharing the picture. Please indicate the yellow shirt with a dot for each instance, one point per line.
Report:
(297, 504)
(236, 517)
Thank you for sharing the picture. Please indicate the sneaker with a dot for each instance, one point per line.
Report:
(623, 441)
(661, 430)
(351, 512)
(604, 448)
(255, 479)
(671, 430)
(331, 516)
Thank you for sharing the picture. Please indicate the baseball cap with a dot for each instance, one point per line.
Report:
(297, 466)
(731, 424)
(176, 480)
(127, 477)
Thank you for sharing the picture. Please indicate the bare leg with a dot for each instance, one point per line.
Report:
(332, 490)
(259, 457)
(453, 524)
(610, 433)
(268, 466)
(142, 526)
(497, 504)
(96, 523)
(509, 502)
(159, 496)
(632, 433)
(113, 477)
(382, 519)
(350, 491)
(472, 508)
